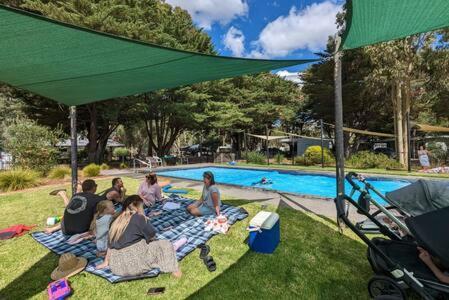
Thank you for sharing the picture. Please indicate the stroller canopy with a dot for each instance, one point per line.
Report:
(420, 197)
(430, 231)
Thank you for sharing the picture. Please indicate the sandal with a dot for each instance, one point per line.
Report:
(210, 263)
(55, 192)
(204, 250)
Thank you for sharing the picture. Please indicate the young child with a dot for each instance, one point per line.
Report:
(100, 225)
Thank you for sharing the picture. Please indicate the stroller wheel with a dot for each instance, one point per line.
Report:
(383, 287)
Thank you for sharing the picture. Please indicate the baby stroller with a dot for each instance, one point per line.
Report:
(394, 259)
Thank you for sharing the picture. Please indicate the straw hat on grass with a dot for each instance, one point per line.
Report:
(69, 265)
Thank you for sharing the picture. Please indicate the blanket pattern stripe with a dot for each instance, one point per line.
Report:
(171, 225)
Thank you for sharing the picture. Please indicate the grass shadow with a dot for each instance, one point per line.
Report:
(312, 261)
(31, 282)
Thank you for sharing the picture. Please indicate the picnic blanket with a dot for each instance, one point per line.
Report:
(171, 225)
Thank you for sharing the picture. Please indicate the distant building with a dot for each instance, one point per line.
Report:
(300, 144)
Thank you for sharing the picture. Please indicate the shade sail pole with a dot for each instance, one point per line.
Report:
(322, 144)
(73, 149)
(339, 138)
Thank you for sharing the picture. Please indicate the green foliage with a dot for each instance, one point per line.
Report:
(313, 155)
(18, 179)
(123, 166)
(438, 151)
(104, 166)
(91, 170)
(120, 152)
(370, 160)
(59, 172)
(255, 157)
(31, 145)
(279, 158)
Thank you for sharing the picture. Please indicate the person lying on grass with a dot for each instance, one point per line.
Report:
(429, 261)
(79, 211)
(209, 203)
(132, 248)
(116, 193)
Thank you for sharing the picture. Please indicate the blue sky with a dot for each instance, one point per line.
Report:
(277, 29)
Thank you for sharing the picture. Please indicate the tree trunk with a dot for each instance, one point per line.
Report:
(93, 133)
(399, 122)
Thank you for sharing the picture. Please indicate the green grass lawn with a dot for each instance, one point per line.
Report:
(313, 261)
(332, 169)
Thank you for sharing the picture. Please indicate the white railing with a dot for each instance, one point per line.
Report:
(141, 162)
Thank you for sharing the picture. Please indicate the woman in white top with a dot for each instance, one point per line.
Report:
(149, 190)
(423, 155)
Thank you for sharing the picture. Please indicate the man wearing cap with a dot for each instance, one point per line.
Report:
(79, 212)
(209, 203)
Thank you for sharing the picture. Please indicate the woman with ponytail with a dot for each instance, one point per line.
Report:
(132, 248)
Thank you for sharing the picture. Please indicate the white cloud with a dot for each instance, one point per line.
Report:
(300, 29)
(207, 12)
(290, 76)
(234, 40)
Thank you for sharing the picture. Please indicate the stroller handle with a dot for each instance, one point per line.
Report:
(349, 177)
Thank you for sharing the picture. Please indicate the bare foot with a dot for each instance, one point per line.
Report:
(177, 274)
(101, 254)
(101, 266)
(48, 231)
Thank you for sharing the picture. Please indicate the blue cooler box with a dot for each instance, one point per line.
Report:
(264, 232)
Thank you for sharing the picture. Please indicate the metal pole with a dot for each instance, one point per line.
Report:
(74, 149)
(266, 145)
(246, 147)
(322, 144)
(409, 159)
(339, 137)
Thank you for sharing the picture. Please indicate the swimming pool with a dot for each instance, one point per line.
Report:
(283, 181)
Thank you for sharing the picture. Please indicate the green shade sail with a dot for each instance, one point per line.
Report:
(74, 65)
(373, 21)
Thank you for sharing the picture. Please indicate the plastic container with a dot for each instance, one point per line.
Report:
(264, 232)
(53, 220)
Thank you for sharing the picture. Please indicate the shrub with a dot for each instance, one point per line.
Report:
(31, 145)
(120, 152)
(59, 172)
(91, 170)
(302, 161)
(312, 156)
(13, 180)
(255, 157)
(104, 167)
(279, 158)
(123, 166)
(369, 160)
(438, 151)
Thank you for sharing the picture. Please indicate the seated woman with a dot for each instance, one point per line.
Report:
(149, 190)
(209, 203)
(132, 248)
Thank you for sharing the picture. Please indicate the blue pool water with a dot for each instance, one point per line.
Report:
(303, 184)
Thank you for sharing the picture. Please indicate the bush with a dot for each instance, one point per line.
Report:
(370, 160)
(104, 167)
(91, 170)
(438, 151)
(255, 157)
(123, 166)
(18, 179)
(120, 152)
(279, 158)
(312, 156)
(59, 172)
(31, 145)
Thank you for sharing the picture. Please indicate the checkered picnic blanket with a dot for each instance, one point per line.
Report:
(171, 225)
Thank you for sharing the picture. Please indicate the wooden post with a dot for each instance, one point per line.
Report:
(409, 153)
(322, 144)
(74, 149)
(339, 137)
(266, 146)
